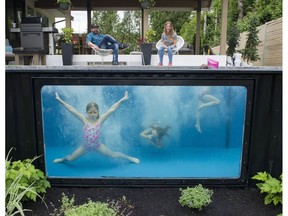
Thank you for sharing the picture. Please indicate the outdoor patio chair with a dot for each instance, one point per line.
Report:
(85, 48)
(76, 44)
(102, 53)
(179, 45)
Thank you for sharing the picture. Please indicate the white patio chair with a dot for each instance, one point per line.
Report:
(102, 53)
(179, 45)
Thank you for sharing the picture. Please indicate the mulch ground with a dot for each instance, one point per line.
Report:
(162, 201)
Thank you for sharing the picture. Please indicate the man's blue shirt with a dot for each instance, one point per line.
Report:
(94, 38)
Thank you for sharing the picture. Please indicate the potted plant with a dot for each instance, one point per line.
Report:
(64, 4)
(146, 45)
(67, 46)
(146, 4)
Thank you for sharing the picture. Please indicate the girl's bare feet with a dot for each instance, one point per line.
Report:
(134, 160)
(59, 160)
(198, 128)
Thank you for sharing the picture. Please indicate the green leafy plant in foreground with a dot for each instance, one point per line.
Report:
(13, 197)
(91, 208)
(271, 186)
(18, 187)
(196, 197)
(30, 176)
(110, 208)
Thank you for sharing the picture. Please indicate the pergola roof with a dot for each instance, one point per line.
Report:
(127, 4)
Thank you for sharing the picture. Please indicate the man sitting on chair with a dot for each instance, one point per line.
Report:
(104, 41)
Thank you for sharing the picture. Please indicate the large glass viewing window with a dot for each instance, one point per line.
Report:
(149, 132)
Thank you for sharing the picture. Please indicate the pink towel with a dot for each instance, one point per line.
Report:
(212, 63)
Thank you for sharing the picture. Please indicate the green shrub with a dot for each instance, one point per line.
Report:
(14, 195)
(110, 208)
(91, 208)
(196, 197)
(21, 184)
(271, 186)
(25, 175)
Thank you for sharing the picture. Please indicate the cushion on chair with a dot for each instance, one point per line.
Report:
(9, 55)
(8, 47)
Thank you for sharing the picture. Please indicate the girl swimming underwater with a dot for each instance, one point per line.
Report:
(155, 134)
(92, 131)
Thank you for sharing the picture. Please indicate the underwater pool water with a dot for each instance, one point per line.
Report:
(165, 163)
(187, 152)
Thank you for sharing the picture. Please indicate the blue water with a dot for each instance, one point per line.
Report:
(214, 153)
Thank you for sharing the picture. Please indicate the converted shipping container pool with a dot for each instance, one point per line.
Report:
(218, 132)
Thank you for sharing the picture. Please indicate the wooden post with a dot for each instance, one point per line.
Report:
(224, 18)
(145, 27)
(68, 17)
(88, 5)
(198, 29)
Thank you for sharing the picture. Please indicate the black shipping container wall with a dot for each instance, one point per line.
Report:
(263, 148)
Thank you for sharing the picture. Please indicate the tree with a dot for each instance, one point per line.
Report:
(232, 39)
(158, 19)
(128, 30)
(250, 53)
(233, 33)
(265, 10)
(240, 9)
(188, 30)
(268, 10)
(107, 20)
(213, 29)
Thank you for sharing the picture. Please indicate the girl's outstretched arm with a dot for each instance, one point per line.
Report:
(113, 108)
(71, 109)
(145, 133)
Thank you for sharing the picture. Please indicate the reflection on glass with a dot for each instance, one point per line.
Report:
(143, 131)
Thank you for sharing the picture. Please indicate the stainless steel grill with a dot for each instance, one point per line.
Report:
(34, 34)
(32, 37)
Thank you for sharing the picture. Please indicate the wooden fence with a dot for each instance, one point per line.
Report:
(270, 47)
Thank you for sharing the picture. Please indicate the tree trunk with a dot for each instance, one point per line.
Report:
(240, 7)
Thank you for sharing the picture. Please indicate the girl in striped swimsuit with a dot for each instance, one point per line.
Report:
(92, 131)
